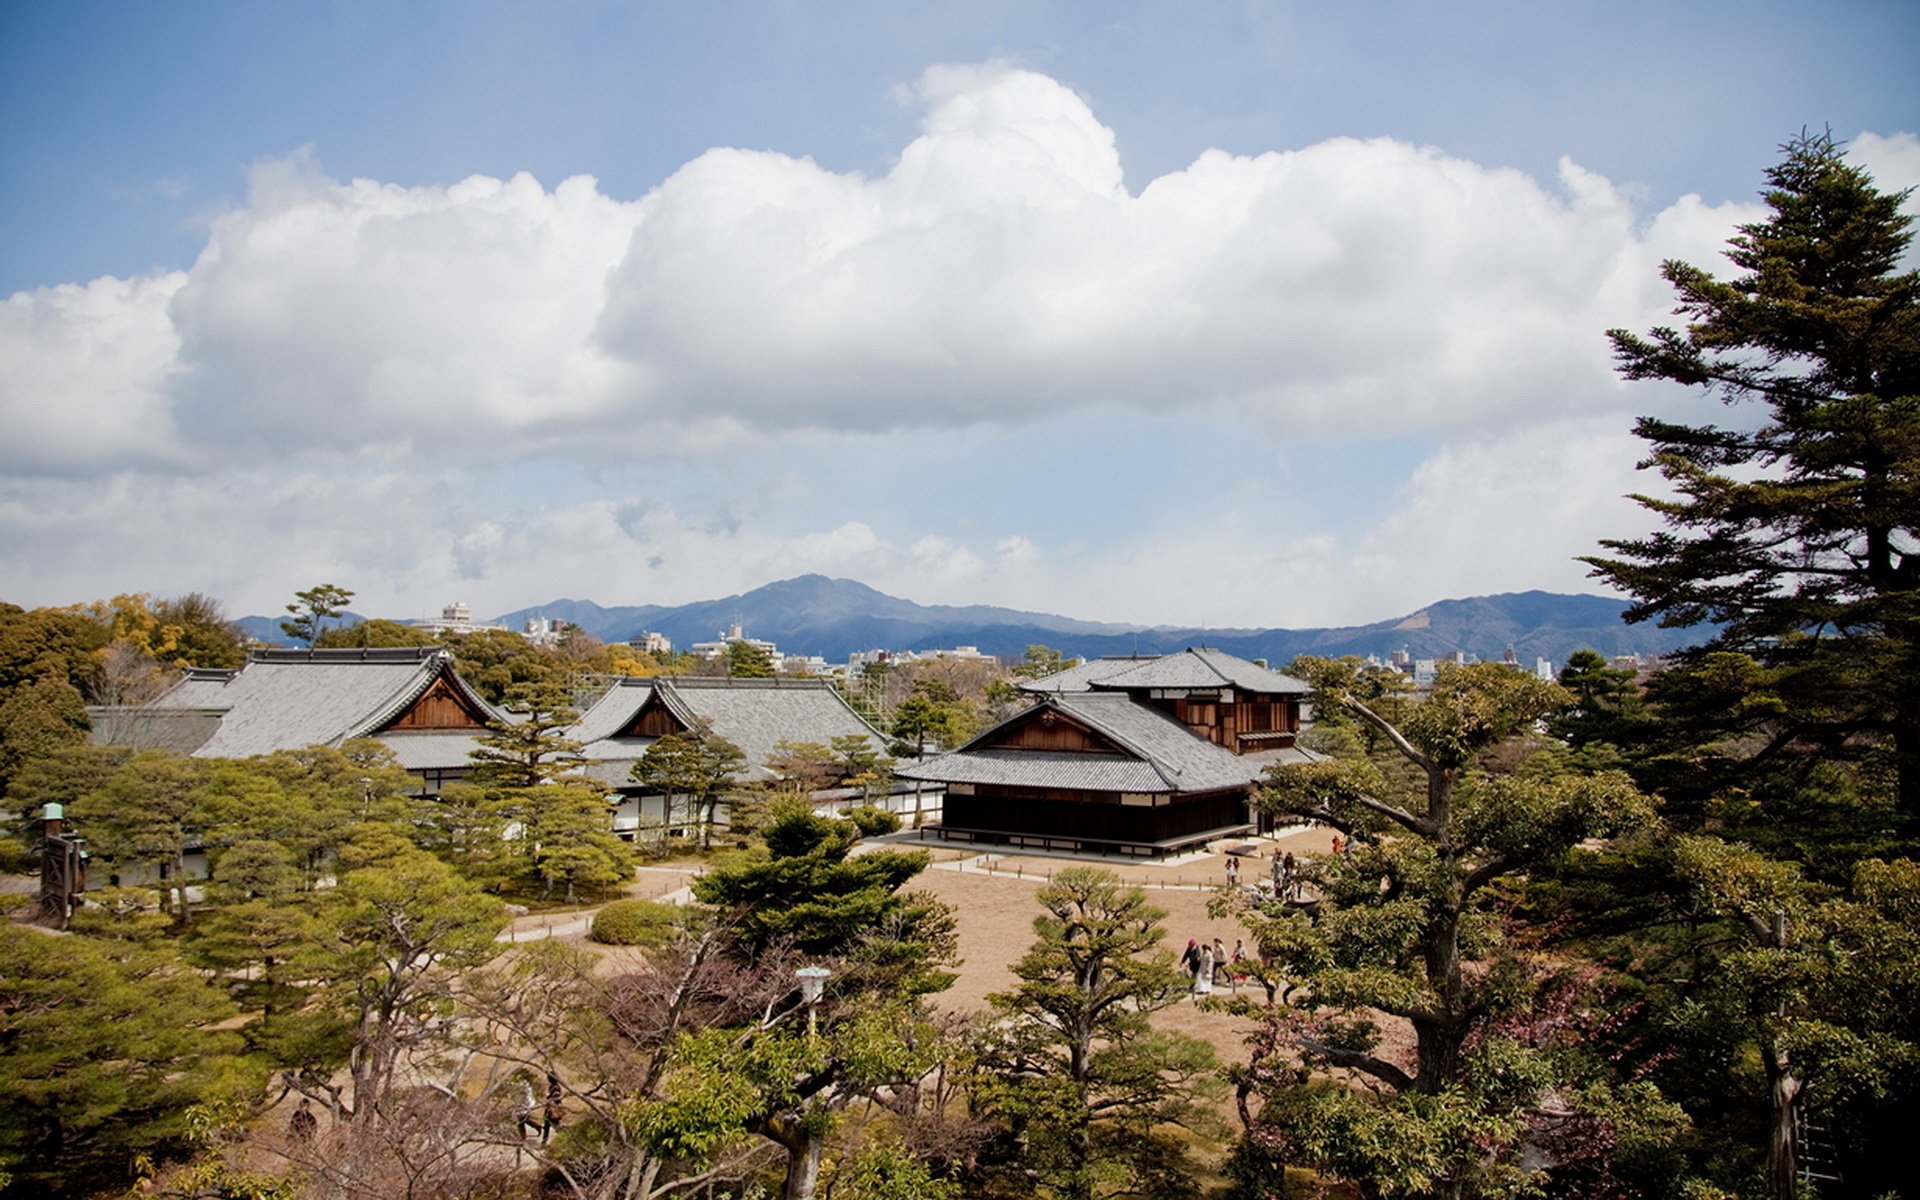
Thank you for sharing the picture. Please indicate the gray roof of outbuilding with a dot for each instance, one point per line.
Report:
(1166, 756)
(1081, 676)
(287, 699)
(754, 714)
(1203, 668)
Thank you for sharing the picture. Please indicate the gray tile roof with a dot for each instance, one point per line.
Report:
(754, 714)
(287, 699)
(1041, 769)
(612, 712)
(1202, 668)
(1165, 756)
(1082, 677)
(431, 749)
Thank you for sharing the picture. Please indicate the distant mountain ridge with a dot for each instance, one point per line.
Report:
(813, 614)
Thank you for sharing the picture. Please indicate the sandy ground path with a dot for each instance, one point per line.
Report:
(993, 894)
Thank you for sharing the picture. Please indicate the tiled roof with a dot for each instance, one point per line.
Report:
(287, 699)
(754, 714)
(1164, 755)
(1041, 769)
(432, 749)
(1202, 668)
(1081, 677)
(612, 712)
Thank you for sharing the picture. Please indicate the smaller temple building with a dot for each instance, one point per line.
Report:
(756, 715)
(1135, 756)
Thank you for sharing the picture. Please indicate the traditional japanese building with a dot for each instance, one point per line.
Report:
(409, 699)
(757, 715)
(1139, 756)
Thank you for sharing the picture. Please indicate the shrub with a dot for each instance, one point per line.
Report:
(635, 923)
(872, 821)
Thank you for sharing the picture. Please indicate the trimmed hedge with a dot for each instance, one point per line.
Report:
(873, 822)
(635, 923)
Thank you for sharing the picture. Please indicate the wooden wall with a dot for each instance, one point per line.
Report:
(440, 708)
(1223, 723)
(655, 721)
(1108, 820)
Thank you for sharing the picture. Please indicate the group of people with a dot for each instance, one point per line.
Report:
(1285, 871)
(1208, 963)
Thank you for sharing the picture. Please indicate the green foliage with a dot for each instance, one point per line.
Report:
(804, 887)
(873, 822)
(42, 643)
(1091, 1094)
(638, 923)
(1793, 532)
(530, 751)
(1408, 932)
(495, 661)
(1042, 661)
(188, 631)
(312, 609)
(887, 1170)
(702, 768)
(922, 718)
(38, 718)
(378, 632)
(385, 951)
(104, 1048)
(748, 661)
(145, 813)
(568, 830)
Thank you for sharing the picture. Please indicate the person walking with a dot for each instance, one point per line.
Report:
(1190, 962)
(1219, 960)
(1233, 870)
(1203, 977)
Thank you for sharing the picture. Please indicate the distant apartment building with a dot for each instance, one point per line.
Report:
(454, 618)
(650, 642)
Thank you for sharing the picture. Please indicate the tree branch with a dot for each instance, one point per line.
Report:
(1388, 731)
(1385, 1072)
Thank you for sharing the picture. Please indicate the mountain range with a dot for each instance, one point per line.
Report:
(833, 618)
(813, 614)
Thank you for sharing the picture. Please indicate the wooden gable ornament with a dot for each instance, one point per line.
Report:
(654, 720)
(444, 705)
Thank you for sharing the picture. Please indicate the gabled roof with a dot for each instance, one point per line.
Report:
(1202, 669)
(612, 712)
(1160, 754)
(287, 699)
(754, 714)
(1080, 677)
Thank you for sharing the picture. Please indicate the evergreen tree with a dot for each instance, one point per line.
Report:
(748, 661)
(1798, 533)
(702, 767)
(1094, 1097)
(104, 1048)
(312, 609)
(1406, 935)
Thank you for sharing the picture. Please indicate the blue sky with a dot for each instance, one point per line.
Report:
(1249, 314)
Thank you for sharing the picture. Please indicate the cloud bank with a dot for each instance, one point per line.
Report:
(322, 391)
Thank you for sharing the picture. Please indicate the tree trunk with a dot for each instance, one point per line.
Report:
(803, 1167)
(1783, 1142)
